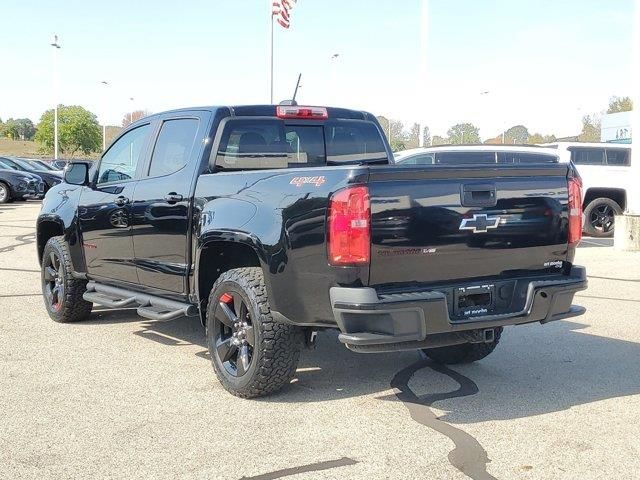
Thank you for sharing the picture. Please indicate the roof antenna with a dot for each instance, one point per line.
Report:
(295, 92)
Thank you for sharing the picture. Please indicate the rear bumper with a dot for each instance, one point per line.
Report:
(409, 321)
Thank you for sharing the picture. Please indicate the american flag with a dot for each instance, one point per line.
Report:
(281, 11)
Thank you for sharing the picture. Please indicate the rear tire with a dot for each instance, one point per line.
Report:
(252, 354)
(465, 352)
(599, 217)
(61, 291)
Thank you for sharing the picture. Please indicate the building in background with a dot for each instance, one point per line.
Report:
(616, 128)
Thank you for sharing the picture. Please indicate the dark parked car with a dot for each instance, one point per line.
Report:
(43, 164)
(17, 185)
(58, 164)
(49, 178)
(273, 222)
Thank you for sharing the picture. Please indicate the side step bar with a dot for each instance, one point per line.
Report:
(149, 306)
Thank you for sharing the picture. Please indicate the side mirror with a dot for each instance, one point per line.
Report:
(77, 173)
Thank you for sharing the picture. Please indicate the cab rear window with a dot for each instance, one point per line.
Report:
(248, 143)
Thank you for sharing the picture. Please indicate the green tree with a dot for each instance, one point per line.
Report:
(426, 136)
(19, 129)
(10, 129)
(134, 116)
(620, 104)
(537, 138)
(413, 140)
(27, 129)
(78, 131)
(398, 144)
(517, 134)
(384, 123)
(463, 133)
(438, 140)
(397, 130)
(590, 129)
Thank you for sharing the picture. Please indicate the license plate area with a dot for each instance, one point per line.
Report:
(474, 300)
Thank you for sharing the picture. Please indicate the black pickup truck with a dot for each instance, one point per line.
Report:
(273, 222)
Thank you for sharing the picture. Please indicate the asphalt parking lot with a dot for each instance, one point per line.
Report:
(121, 397)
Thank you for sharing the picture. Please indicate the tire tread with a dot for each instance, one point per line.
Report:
(74, 307)
(279, 350)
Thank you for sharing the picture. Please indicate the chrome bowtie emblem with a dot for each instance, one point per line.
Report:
(479, 223)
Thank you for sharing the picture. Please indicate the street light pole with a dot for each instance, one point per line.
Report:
(423, 87)
(333, 81)
(104, 121)
(488, 92)
(56, 46)
(131, 111)
(271, 63)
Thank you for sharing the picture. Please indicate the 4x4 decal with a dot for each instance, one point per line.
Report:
(299, 181)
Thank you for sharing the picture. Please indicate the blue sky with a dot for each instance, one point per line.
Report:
(544, 63)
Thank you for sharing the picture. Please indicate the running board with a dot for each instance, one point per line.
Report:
(149, 306)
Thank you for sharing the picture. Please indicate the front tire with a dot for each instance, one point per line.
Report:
(5, 193)
(465, 352)
(252, 354)
(599, 217)
(61, 291)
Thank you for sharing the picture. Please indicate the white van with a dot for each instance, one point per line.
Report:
(604, 168)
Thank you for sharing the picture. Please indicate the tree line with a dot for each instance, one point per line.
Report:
(402, 137)
(80, 132)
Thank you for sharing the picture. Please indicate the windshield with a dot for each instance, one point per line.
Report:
(24, 164)
(6, 163)
(32, 165)
(46, 166)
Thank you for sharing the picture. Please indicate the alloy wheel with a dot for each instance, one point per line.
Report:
(54, 281)
(234, 333)
(602, 218)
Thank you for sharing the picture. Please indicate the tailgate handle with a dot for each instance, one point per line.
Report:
(478, 195)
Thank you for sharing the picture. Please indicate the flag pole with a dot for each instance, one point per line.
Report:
(271, 58)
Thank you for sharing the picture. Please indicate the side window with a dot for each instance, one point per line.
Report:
(173, 146)
(425, 159)
(121, 160)
(465, 158)
(618, 156)
(587, 156)
(522, 158)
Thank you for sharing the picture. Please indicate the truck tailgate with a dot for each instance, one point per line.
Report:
(441, 223)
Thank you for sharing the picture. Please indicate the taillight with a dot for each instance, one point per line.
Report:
(575, 210)
(349, 227)
(294, 111)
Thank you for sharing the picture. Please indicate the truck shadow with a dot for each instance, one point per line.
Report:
(535, 370)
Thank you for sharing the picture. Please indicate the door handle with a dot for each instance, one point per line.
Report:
(173, 197)
(122, 201)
